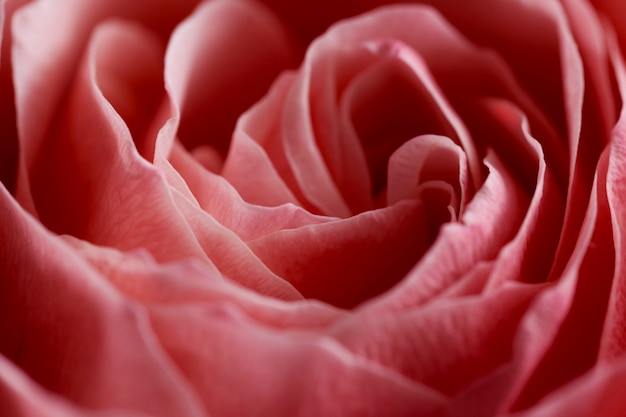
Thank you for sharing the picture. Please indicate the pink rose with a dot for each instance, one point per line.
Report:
(278, 208)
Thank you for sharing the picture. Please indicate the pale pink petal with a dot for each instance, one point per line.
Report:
(9, 155)
(391, 101)
(490, 220)
(217, 197)
(560, 335)
(212, 339)
(422, 159)
(231, 255)
(614, 335)
(72, 332)
(130, 77)
(138, 276)
(495, 392)
(528, 257)
(506, 34)
(588, 111)
(303, 155)
(420, 38)
(548, 66)
(599, 392)
(315, 151)
(219, 62)
(89, 180)
(519, 259)
(446, 345)
(208, 157)
(615, 12)
(49, 38)
(250, 47)
(347, 261)
(341, 85)
(256, 165)
(537, 56)
(323, 139)
(473, 281)
(241, 368)
(548, 63)
(599, 103)
(204, 30)
(22, 397)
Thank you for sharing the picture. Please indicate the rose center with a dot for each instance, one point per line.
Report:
(387, 106)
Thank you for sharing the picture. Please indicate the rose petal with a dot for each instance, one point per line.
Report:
(391, 101)
(231, 255)
(218, 198)
(21, 397)
(348, 261)
(305, 160)
(49, 38)
(184, 282)
(256, 165)
(91, 182)
(130, 77)
(72, 333)
(574, 350)
(446, 345)
(584, 111)
(599, 102)
(284, 374)
(310, 153)
(614, 11)
(529, 255)
(426, 158)
(489, 221)
(9, 144)
(614, 335)
(217, 32)
(597, 393)
(219, 62)
(559, 338)
(410, 26)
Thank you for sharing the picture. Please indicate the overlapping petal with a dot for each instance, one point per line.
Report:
(424, 217)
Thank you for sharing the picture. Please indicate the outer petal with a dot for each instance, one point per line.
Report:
(20, 397)
(256, 164)
(348, 261)
(49, 40)
(231, 255)
(219, 62)
(597, 393)
(489, 221)
(222, 201)
(614, 337)
(286, 374)
(89, 180)
(560, 335)
(9, 142)
(72, 333)
(446, 345)
(187, 282)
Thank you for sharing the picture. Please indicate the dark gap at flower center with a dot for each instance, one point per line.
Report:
(211, 118)
(389, 107)
(210, 112)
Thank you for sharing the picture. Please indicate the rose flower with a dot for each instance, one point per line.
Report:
(276, 208)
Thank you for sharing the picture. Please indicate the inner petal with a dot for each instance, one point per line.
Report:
(425, 159)
(219, 62)
(388, 105)
(130, 78)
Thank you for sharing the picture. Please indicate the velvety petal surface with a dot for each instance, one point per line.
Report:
(66, 328)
